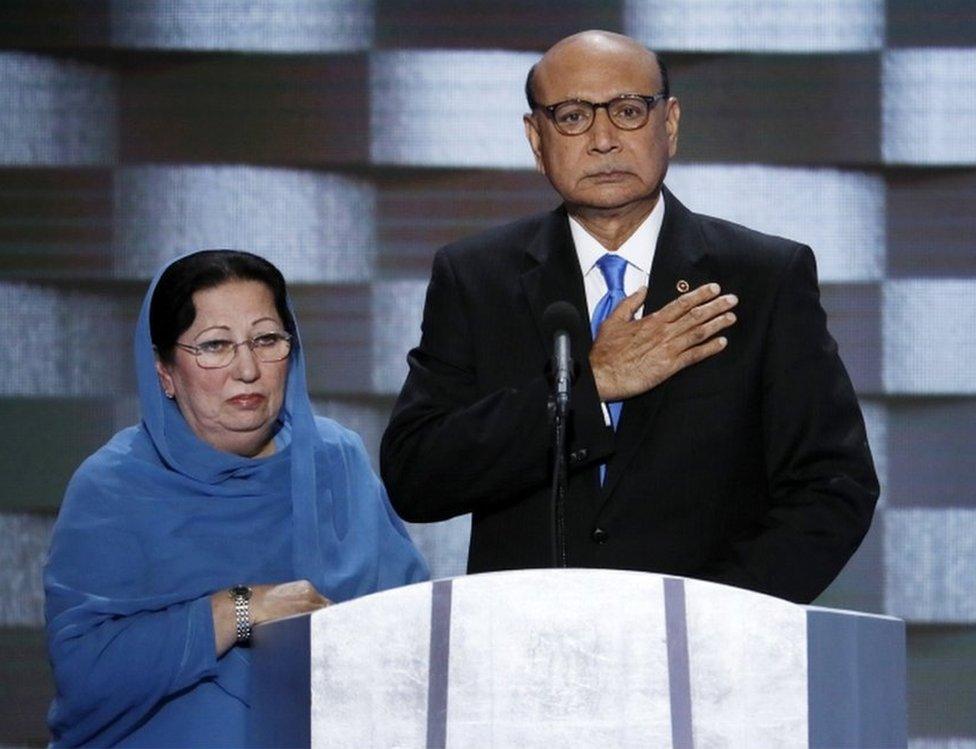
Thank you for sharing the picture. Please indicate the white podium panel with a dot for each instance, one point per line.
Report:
(544, 658)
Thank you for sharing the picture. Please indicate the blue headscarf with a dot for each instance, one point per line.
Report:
(157, 520)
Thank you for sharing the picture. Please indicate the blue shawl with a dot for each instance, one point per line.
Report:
(157, 520)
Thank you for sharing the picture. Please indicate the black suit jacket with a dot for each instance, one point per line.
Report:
(750, 468)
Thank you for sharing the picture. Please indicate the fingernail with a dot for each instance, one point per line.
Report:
(733, 298)
(714, 288)
(723, 341)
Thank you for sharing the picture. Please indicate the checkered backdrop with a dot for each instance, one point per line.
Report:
(346, 140)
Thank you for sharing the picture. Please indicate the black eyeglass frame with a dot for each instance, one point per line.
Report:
(251, 343)
(651, 101)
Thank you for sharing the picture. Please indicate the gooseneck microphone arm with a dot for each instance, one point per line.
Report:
(560, 321)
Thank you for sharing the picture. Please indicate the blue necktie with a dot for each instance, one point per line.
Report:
(612, 267)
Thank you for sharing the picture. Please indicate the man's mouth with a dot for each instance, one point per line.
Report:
(608, 174)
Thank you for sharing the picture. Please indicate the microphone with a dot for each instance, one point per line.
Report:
(561, 322)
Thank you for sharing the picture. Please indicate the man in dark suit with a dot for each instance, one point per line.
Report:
(714, 431)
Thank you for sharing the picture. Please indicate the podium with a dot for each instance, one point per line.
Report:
(578, 658)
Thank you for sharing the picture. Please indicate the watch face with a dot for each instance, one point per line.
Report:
(242, 591)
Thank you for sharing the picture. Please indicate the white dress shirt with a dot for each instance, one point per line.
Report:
(638, 251)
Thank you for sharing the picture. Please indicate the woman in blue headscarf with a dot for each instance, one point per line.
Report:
(230, 504)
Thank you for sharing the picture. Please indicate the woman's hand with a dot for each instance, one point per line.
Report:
(268, 602)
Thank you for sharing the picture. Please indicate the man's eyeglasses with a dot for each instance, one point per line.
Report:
(218, 353)
(627, 112)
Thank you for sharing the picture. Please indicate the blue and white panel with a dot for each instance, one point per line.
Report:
(839, 213)
(739, 668)
(523, 677)
(358, 698)
(316, 227)
(928, 104)
(541, 658)
(449, 108)
(757, 25)
(928, 337)
(56, 112)
(243, 25)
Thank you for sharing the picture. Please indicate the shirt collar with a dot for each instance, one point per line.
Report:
(638, 250)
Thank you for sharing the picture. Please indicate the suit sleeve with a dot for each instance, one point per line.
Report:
(821, 478)
(450, 448)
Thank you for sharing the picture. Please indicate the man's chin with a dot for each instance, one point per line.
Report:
(613, 201)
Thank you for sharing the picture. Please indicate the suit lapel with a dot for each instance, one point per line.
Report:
(678, 257)
(551, 274)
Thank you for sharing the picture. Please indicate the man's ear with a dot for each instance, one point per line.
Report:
(165, 379)
(671, 122)
(535, 141)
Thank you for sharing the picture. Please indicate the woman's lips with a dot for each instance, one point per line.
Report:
(249, 401)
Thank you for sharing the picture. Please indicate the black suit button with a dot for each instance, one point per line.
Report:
(599, 535)
(578, 456)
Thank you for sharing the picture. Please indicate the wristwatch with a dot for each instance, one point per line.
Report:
(241, 596)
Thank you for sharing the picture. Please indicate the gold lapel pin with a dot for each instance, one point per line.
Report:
(682, 286)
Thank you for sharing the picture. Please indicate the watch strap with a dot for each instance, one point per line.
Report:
(241, 595)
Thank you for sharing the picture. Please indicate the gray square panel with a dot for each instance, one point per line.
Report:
(297, 110)
(449, 108)
(23, 545)
(839, 213)
(315, 227)
(336, 327)
(491, 24)
(929, 346)
(396, 311)
(942, 686)
(931, 223)
(930, 561)
(63, 341)
(55, 223)
(934, 23)
(243, 25)
(56, 112)
(854, 319)
(757, 25)
(931, 455)
(62, 432)
(778, 109)
(928, 106)
(419, 211)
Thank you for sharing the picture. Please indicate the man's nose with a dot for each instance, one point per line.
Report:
(603, 134)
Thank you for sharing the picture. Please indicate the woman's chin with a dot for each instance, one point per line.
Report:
(248, 438)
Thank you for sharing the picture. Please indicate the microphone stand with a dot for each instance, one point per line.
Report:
(559, 415)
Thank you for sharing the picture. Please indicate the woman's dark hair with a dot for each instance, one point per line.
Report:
(172, 312)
